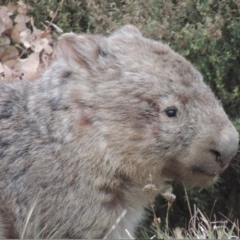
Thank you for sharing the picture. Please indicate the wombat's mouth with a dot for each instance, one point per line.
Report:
(197, 169)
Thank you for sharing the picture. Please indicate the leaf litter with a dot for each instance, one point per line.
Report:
(25, 50)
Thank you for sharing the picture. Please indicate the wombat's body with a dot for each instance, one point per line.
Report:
(78, 145)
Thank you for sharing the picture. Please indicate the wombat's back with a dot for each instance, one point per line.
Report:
(51, 170)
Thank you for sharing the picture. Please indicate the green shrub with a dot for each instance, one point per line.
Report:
(205, 32)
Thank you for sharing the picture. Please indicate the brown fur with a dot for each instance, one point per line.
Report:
(78, 145)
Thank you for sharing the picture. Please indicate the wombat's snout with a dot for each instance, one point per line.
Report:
(227, 146)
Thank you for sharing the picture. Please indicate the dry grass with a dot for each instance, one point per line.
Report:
(199, 226)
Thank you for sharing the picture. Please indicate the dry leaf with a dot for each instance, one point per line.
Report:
(10, 63)
(48, 49)
(22, 8)
(21, 18)
(25, 38)
(21, 26)
(2, 49)
(32, 62)
(45, 59)
(5, 19)
(6, 73)
(2, 27)
(4, 40)
(11, 8)
(15, 36)
(41, 44)
(10, 52)
(1, 68)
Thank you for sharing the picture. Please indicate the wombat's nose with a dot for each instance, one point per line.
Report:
(218, 158)
(227, 146)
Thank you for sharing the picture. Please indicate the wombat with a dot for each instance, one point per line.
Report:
(78, 145)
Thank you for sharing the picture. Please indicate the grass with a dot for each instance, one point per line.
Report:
(199, 226)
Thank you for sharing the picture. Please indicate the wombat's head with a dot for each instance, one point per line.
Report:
(150, 109)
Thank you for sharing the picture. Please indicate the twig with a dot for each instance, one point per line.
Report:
(54, 16)
(189, 208)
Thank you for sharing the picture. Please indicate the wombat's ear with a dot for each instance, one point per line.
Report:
(127, 30)
(78, 50)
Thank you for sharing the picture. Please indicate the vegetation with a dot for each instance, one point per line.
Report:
(206, 32)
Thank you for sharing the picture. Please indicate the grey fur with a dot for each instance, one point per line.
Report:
(77, 146)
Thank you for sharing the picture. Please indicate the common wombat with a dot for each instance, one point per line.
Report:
(78, 145)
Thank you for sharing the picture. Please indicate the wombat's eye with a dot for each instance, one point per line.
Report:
(171, 112)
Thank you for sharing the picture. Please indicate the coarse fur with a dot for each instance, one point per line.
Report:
(78, 145)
